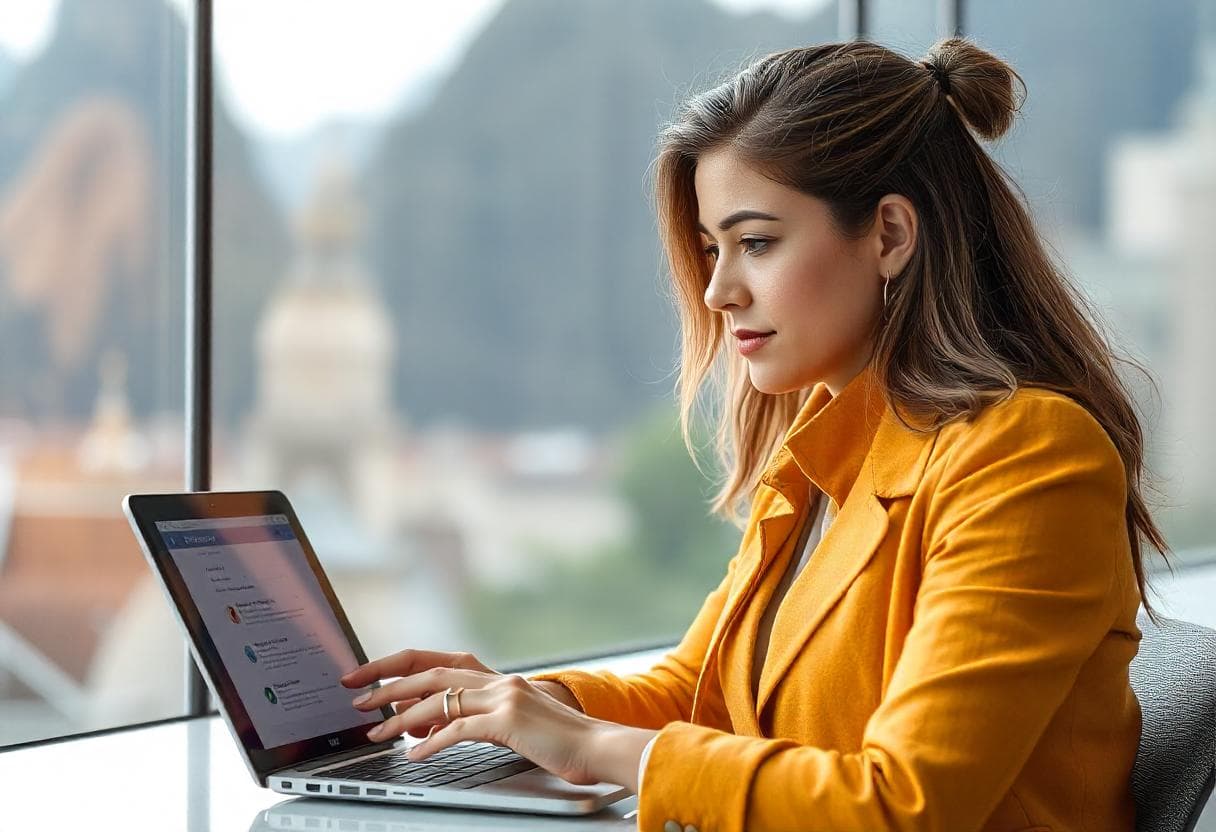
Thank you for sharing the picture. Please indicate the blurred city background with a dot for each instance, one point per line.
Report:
(442, 324)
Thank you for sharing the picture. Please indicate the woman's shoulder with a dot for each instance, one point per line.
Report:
(1036, 469)
(1038, 424)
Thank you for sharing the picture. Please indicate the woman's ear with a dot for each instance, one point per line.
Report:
(896, 226)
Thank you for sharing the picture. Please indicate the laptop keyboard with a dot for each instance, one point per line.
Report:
(464, 766)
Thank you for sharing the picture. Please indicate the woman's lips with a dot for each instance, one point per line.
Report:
(749, 342)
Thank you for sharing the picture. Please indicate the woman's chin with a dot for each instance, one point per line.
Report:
(771, 383)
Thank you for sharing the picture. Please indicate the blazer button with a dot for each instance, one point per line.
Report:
(690, 828)
(672, 826)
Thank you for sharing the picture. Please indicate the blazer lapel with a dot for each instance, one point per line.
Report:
(773, 529)
(893, 468)
(845, 550)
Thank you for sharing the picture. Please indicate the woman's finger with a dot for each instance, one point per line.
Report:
(402, 663)
(409, 662)
(418, 730)
(429, 711)
(419, 685)
(476, 727)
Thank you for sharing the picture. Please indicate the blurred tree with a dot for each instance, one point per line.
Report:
(669, 497)
(642, 590)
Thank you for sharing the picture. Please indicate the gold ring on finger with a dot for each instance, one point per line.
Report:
(456, 697)
(447, 717)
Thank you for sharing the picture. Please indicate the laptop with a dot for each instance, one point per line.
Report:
(272, 641)
(298, 813)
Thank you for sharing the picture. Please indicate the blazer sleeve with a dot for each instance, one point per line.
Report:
(1022, 541)
(664, 693)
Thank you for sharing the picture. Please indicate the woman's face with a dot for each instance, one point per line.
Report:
(781, 270)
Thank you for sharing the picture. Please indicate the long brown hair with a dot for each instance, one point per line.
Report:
(980, 308)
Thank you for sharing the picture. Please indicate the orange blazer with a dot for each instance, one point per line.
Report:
(953, 657)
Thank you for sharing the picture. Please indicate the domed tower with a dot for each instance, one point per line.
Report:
(323, 425)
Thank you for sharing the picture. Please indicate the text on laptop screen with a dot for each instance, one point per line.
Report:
(276, 633)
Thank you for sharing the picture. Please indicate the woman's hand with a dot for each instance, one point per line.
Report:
(505, 710)
(408, 663)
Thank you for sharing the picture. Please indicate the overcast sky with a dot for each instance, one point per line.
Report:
(342, 58)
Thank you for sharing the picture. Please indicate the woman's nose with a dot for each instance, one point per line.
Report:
(724, 290)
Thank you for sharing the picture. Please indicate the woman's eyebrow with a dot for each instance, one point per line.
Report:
(740, 216)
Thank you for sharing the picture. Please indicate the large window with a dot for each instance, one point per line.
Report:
(441, 324)
(91, 159)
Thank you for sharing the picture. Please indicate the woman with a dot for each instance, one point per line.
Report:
(930, 618)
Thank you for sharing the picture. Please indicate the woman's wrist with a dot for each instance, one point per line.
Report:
(559, 692)
(617, 751)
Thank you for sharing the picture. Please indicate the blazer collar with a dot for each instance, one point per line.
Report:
(833, 437)
(854, 448)
(848, 444)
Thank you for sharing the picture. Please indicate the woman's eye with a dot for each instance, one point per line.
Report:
(711, 250)
(754, 245)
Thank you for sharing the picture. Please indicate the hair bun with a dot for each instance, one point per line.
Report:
(980, 84)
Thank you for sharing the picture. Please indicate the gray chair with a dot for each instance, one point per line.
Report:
(1174, 677)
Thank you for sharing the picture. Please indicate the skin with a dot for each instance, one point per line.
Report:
(534, 719)
(790, 273)
(796, 275)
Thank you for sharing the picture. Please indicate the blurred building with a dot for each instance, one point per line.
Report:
(69, 564)
(324, 415)
(1161, 214)
(407, 522)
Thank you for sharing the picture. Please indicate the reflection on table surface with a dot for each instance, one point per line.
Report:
(304, 813)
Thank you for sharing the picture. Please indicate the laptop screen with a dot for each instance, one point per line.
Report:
(263, 621)
(274, 630)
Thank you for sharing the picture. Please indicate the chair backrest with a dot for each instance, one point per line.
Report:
(1174, 677)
